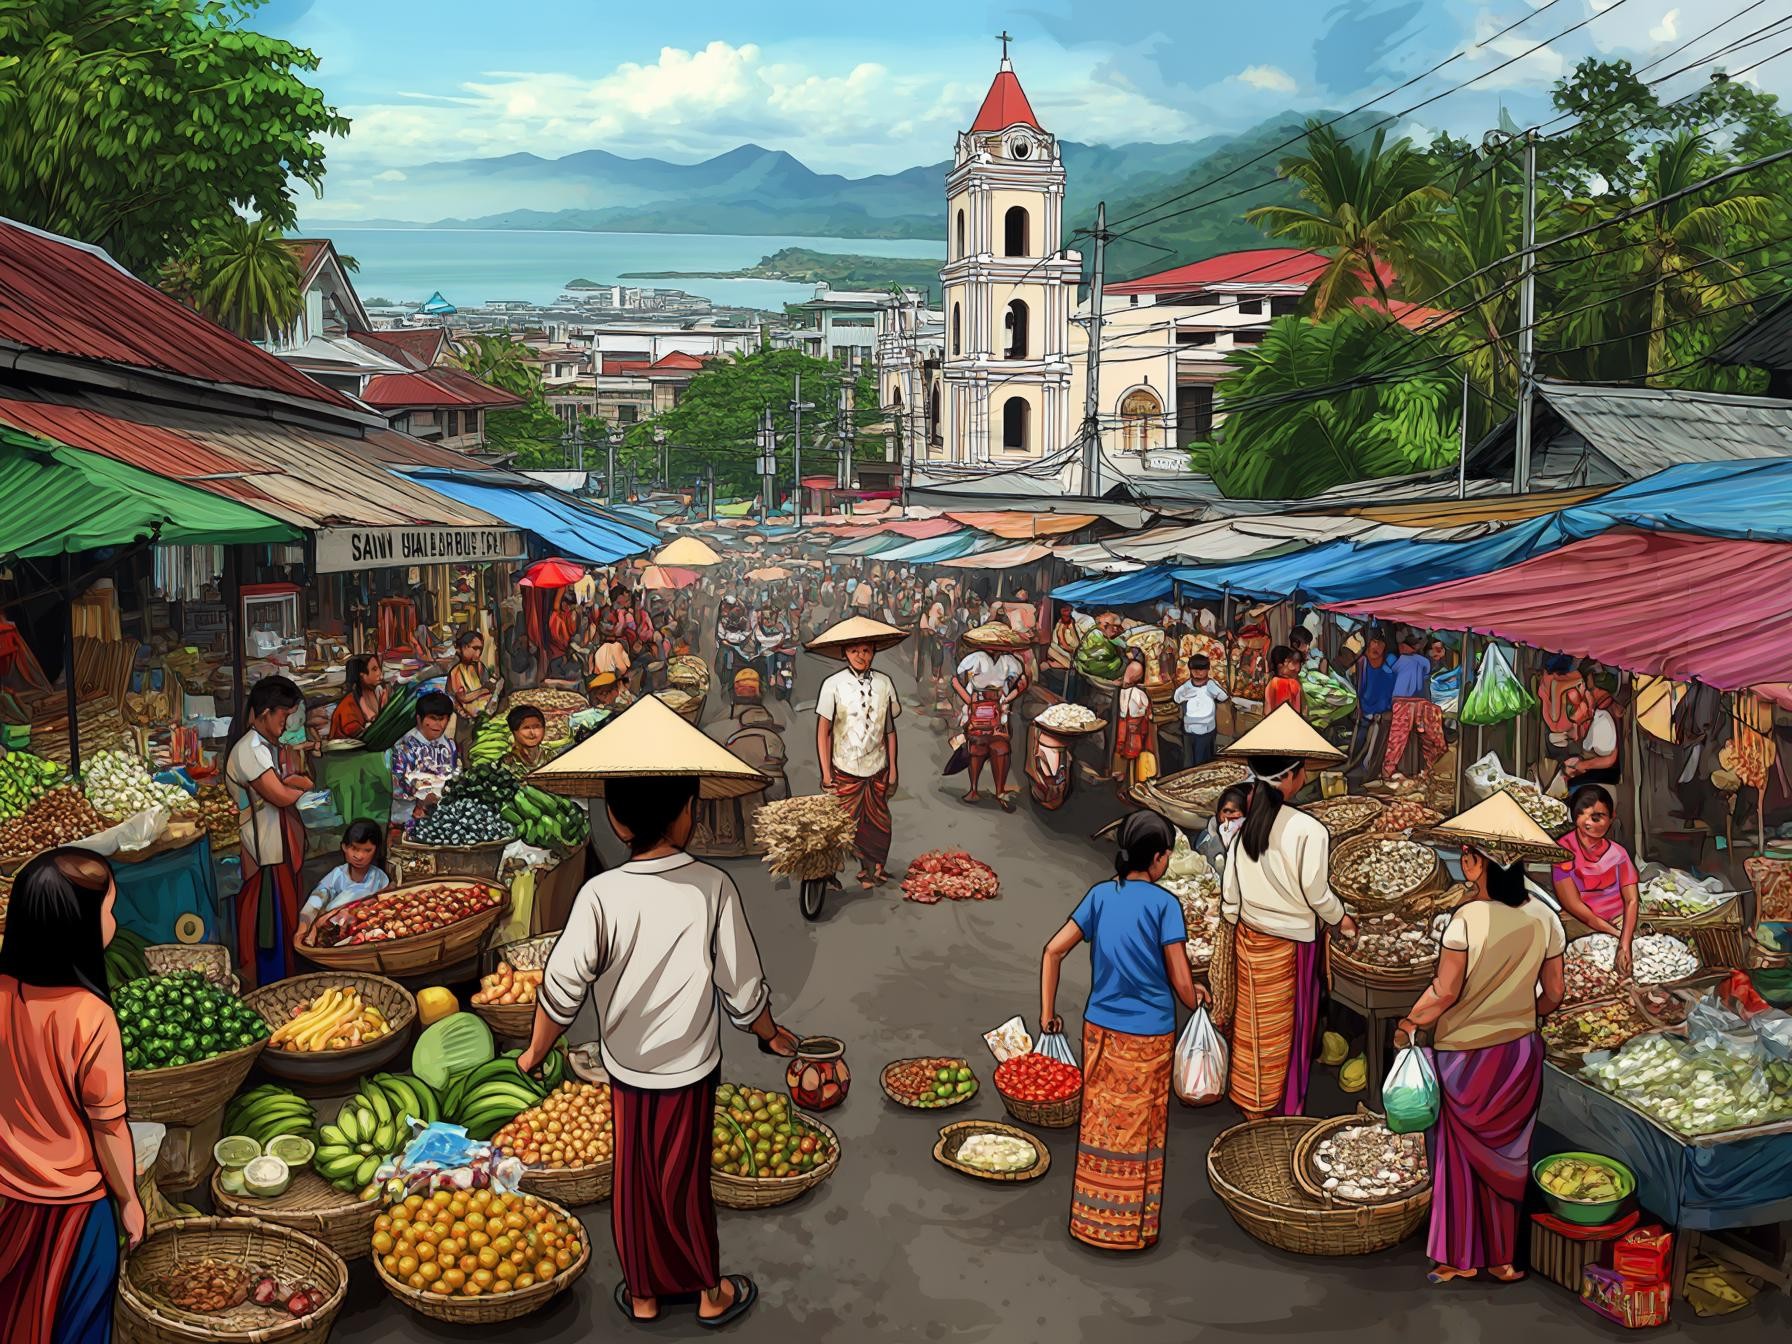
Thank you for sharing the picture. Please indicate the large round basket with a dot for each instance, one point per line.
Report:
(1251, 1169)
(276, 1002)
(1061, 1114)
(1728, 910)
(139, 1316)
(1312, 1181)
(413, 863)
(1188, 796)
(1371, 900)
(1002, 640)
(952, 1138)
(421, 952)
(572, 1187)
(1345, 817)
(1376, 976)
(188, 1093)
(514, 1021)
(342, 1221)
(492, 1307)
(683, 703)
(758, 1192)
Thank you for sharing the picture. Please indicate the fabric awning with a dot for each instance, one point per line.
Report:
(1691, 608)
(934, 550)
(1151, 584)
(567, 526)
(1016, 525)
(61, 500)
(1009, 557)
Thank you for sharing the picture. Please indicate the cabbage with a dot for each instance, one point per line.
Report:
(459, 1042)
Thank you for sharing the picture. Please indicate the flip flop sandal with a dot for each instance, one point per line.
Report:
(1004, 802)
(626, 1305)
(746, 1293)
(1437, 1276)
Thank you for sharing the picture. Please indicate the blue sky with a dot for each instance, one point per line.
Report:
(877, 88)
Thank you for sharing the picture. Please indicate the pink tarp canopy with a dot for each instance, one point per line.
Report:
(1686, 607)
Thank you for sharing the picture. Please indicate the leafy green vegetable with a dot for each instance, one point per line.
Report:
(1497, 694)
(459, 1042)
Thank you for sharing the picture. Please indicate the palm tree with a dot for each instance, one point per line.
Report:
(248, 279)
(1363, 210)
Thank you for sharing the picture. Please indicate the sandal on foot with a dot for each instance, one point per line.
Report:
(1445, 1274)
(625, 1303)
(1512, 1275)
(1004, 802)
(746, 1293)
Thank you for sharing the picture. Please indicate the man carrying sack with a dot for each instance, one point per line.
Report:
(855, 735)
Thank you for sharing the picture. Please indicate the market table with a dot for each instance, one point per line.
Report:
(1378, 1008)
(360, 784)
(162, 882)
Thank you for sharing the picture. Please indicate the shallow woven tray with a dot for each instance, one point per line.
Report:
(1572, 1057)
(1188, 796)
(140, 1317)
(515, 1021)
(1046, 1114)
(188, 1093)
(313, 1206)
(908, 1100)
(1326, 809)
(1312, 1180)
(1251, 1169)
(1366, 900)
(952, 1137)
(275, 1003)
(1725, 911)
(1069, 733)
(421, 952)
(758, 1192)
(1377, 976)
(491, 1308)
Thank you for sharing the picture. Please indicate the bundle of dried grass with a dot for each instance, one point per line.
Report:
(804, 837)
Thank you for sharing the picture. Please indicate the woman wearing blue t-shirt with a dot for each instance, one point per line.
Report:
(1136, 935)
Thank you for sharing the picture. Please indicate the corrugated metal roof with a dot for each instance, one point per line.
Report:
(302, 476)
(434, 387)
(414, 347)
(69, 299)
(1767, 341)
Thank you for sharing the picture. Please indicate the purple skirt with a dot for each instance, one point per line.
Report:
(1480, 1150)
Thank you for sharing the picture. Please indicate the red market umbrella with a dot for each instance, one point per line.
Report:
(667, 576)
(553, 573)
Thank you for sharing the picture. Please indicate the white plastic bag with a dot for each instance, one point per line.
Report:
(1053, 1046)
(138, 831)
(1199, 1071)
(1410, 1096)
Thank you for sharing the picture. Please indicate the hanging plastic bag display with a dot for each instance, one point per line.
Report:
(1410, 1094)
(1326, 696)
(1199, 1070)
(1053, 1046)
(1498, 694)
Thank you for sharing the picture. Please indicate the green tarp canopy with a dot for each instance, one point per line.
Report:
(63, 500)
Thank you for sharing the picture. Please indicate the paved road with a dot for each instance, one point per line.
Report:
(896, 1247)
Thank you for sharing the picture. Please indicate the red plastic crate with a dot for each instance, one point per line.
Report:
(1644, 1253)
(1632, 1304)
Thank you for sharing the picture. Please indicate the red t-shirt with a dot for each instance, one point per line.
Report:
(65, 1061)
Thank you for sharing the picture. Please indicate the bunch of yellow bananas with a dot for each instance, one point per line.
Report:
(335, 1020)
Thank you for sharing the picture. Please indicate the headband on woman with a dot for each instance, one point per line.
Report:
(1252, 777)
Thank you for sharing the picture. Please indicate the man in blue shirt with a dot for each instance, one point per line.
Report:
(1413, 711)
(1374, 706)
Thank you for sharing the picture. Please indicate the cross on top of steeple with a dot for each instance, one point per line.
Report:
(1004, 38)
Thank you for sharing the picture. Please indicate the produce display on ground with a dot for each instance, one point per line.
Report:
(370, 1129)
(490, 741)
(761, 1135)
(1549, 813)
(465, 821)
(24, 779)
(508, 985)
(547, 820)
(805, 836)
(1404, 814)
(1039, 1078)
(1370, 1162)
(1695, 1091)
(1199, 785)
(931, 1083)
(490, 783)
(997, 1153)
(1387, 864)
(951, 875)
(1342, 816)
(170, 1020)
(1654, 958)
(1067, 716)
(268, 1112)
(217, 813)
(59, 817)
(556, 706)
(118, 784)
(1391, 940)
(403, 914)
(571, 1127)
(1672, 892)
(1199, 896)
(337, 1019)
(469, 1243)
(1593, 1026)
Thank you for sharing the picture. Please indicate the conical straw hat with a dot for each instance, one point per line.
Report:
(1285, 733)
(648, 739)
(1500, 828)
(687, 553)
(832, 642)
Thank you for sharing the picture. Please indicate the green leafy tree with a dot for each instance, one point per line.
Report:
(532, 432)
(133, 124)
(245, 278)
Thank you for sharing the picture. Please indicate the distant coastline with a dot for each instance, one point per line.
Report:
(801, 265)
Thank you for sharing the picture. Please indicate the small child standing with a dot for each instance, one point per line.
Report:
(357, 877)
(422, 762)
(1284, 683)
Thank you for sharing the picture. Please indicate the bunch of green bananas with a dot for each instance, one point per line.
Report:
(125, 961)
(268, 1111)
(490, 742)
(485, 1099)
(372, 1127)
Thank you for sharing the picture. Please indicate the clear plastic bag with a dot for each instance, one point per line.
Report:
(1326, 696)
(1053, 1045)
(1410, 1096)
(1497, 694)
(1199, 1069)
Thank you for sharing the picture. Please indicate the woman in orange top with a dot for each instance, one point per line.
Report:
(1284, 681)
(64, 1143)
(364, 696)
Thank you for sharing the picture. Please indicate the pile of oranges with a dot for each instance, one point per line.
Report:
(468, 1243)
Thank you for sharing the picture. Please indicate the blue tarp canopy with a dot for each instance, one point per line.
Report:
(1151, 584)
(932, 550)
(435, 303)
(569, 527)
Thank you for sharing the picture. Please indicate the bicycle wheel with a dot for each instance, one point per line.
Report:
(815, 890)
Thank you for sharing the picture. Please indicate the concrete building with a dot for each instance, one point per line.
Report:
(843, 325)
(646, 342)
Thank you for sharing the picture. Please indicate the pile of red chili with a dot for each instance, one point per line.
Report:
(1037, 1077)
(952, 875)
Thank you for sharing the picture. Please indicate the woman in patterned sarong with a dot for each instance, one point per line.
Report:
(1136, 938)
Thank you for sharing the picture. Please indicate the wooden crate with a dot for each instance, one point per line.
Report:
(1563, 1258)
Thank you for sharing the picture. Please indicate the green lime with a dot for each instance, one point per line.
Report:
(943, 1076)
(965, 1075)
(965, 1089)
(293, 1149)
(233, 1152)
(943, 1090)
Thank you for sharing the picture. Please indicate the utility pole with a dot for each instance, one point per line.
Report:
(843, 422)
(1092, 393)
(768, 459)
(797, 407)
(615, 442)
(709, 513)
(1462, 446)
(659, 441)
(1527, 321)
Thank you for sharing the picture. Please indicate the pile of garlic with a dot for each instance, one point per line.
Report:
(1370, 1162)
(118, 785)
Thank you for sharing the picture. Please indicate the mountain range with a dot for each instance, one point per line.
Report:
(754, 190)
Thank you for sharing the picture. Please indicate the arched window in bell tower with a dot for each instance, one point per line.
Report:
(957, 327)
(961, 251)
(1014, 232)
(1015, 325)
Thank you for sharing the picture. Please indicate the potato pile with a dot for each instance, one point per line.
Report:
(508, 985)
(60, 817)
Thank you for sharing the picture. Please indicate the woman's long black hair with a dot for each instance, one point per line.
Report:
(1143, 836)
(354, 670)
(1505, 885)
(53, 935)
(268, 693)
(1266, 802)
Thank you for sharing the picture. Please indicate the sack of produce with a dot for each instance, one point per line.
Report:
(1327, 697)
(1446, 689)
(1498, 694)
(1199, 1071)
(1098, 656)
(1410, 1094)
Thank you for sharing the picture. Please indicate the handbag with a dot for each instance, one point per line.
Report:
(984, 719)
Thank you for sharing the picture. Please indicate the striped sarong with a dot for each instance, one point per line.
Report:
(1273, 1022)
(1118, 1193)
(867, 800)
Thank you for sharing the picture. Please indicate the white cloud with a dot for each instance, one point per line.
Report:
(1270, 78)
(1532, 65)
(390, 175)
(1668, 29)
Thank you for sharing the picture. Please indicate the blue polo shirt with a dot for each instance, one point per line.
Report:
(1128, 925)
(1375, 687)
(1412, 676)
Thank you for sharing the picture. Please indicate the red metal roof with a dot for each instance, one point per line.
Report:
(308, 252)
(675, 359)
(1412, 316)
(66, 298)
(434, 387)
(1005, 105)
(1259, 266)
(415, 347)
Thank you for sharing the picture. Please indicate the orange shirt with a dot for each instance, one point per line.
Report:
(1282, 690)
(349, 720)
(65, 1061)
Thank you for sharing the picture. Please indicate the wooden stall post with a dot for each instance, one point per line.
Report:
(1635, 749)
(71, 691)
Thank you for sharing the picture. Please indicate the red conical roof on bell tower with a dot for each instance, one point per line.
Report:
(1005, 104)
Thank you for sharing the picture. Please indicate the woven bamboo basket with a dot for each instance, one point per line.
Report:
(1046, 1114)
(491, 1308)
(1251, 1169)
(909, 1099)
(1312, 1180)
(1726, 911)
(1716, 944)
(757, 1192)
(421, 952)
(276, 1002)
(413, 863)
(952, 1138)
(1372, 901)
(1377, 976)
(514, 1021)
(1345, 817)
(1188, 796)
(572, 1187)
(139, 1316)
(311, 1205)
(688, 707)
(188, 1093)
(209, 959)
